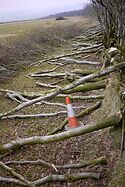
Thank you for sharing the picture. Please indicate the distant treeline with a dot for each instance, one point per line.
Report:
(88, 10)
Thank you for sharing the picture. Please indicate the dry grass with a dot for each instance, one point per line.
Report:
(24, 27)
(22, 43)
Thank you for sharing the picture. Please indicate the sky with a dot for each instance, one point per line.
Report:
(12, 10)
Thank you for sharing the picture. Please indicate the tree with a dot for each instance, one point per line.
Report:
(111, 16)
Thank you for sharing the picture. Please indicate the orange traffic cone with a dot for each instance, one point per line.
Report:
(72, 120)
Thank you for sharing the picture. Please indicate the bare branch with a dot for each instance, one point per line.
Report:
(74, 61)
(55, 178)
(104, 123)
(46, 85)
(67, 177)
(101, 160)
(11, 180)
(21, 116)
(17, 175)
(81, 114)
(70, 86)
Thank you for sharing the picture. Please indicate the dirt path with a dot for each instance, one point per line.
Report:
(77, 149)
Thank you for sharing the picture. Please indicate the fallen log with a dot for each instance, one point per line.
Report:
(31, 95)
(81, 114)
(88, 97)
(101, 73)
(83, 72)
(9, 180)
(74, 61)
(67, 177)
(61, 105)
(101, 160)
(53, 75)
(86, 87)
(104, 123)
(90, 47)
(25, 116)
(16, 96)
(54, 178)
(64, 55)
(82, 88)
(78, 44)
(17, 175)
(49, 71)
(46, 85)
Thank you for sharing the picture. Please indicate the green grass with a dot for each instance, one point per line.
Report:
(22, 43)
(23, 27)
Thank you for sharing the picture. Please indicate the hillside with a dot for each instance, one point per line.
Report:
(87, 11)
(24, 42)
(67, 14)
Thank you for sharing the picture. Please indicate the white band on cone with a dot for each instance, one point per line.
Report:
(70, 111)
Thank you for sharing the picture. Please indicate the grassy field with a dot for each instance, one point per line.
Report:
(21, 28)
(22, 43)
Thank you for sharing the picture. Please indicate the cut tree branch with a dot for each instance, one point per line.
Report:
(88, 97)
(104, 123)
(11, 180)
(21, 116)
(46, 85)
(81, 114)
(70, 86)
(101, 160)
(67, 177)
(74, 61)
(54, 178)
(93, 50)
(17, 175)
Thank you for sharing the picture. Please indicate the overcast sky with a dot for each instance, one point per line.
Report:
(26, 9)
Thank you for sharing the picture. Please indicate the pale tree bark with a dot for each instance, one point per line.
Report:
(104, 123)
(67, 177)
(82, 164)
(86, 50)
(81, 114)
(70, 86)
(17, 175)
(54, 178)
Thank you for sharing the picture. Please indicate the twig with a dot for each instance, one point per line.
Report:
(17, 175)
(46, 85)
(21, 116)
(67, 177)
(74, 61)
(12, 180)
(88, 97)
